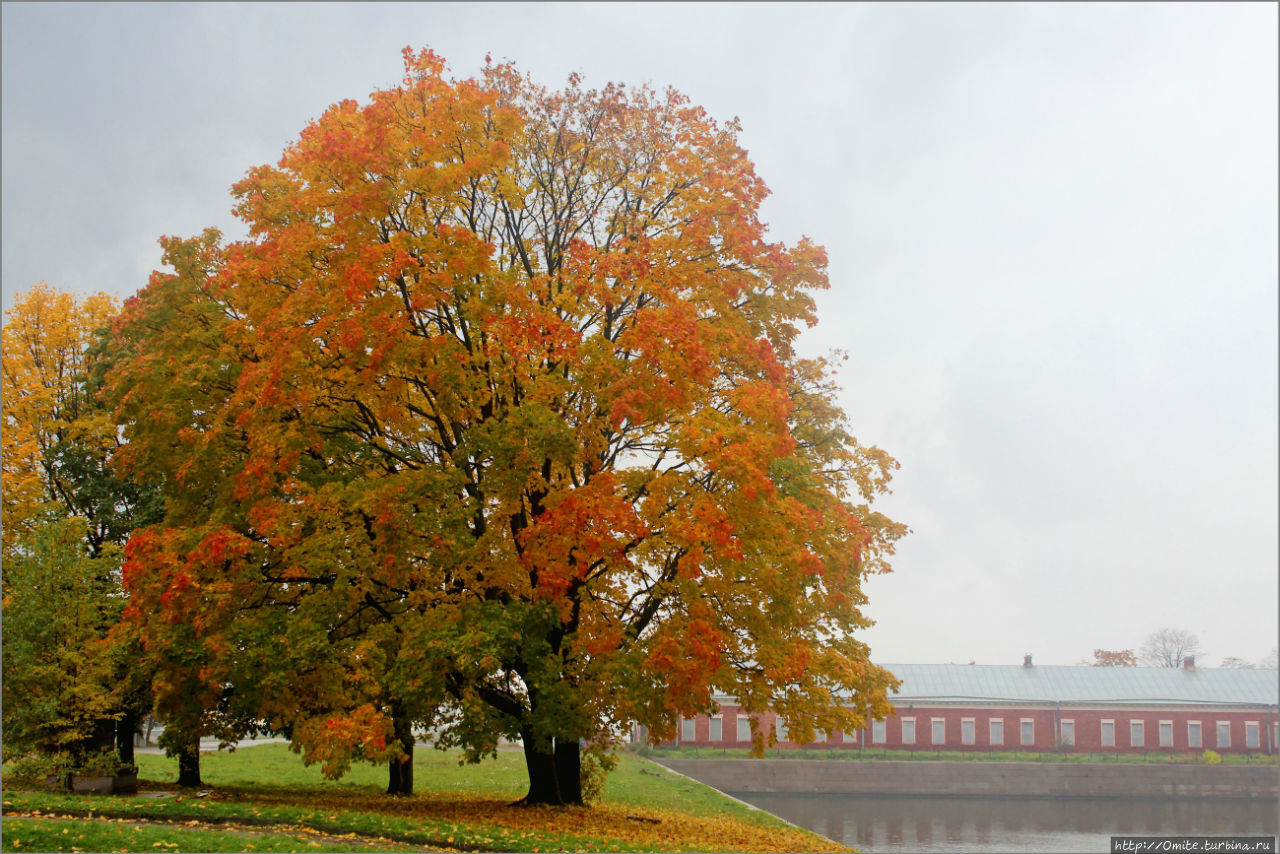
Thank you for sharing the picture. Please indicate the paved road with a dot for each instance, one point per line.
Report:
(209, 744)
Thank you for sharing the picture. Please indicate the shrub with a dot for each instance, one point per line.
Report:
(1211, 757)
(104, 763)
(32, 769)
(596, 765)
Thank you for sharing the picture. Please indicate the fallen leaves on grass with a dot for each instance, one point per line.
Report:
(485, 821)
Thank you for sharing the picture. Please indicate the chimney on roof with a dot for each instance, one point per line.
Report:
(1189, 663)
(1026, 660)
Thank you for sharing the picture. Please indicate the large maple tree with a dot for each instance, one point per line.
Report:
(514, 430)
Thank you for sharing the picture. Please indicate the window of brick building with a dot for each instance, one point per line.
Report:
(782, 729)
(687, 730)
(939, 731)
(1193, 734)
(1166, 733)
(878, 732)
(744, 728)
(967, 731)
(995, 731)
(1067, 733)
(1135, 733)
(717, 728)
(1224, 733)
(1028, 731)
(1108, 733)
(908, 730)
(1251, 739)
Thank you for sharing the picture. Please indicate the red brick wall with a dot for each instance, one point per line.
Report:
(1088, 730)
(768, 720)
(953, 719)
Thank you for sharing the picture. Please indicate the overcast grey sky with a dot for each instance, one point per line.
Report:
(1052, 231)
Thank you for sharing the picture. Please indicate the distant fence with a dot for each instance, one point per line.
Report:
(979, 779)
(900, 754)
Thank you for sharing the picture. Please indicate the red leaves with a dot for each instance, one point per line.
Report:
(585, 531)
(364, 732)
(218, 546)
(174, 599)
(164, 579)
(254, 478)
(358, 281)
(811, 564)
(715, 529)
(686, 656)
(417, 66)
(136, 553)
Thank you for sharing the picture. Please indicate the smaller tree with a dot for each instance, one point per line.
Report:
(66, 513)
(1167, 647)
(1114, 658)
(52, 440)
(1232, 662)
(59, 606)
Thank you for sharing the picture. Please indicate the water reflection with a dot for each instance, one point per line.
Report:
(879, 823)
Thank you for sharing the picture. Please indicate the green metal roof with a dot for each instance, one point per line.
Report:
(1083, 685)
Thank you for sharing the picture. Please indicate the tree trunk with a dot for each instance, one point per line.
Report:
(544, 784)
(189, 765)
(400, 772)
(569, 770)
(126, 728)
(400, 776)
(103, 736)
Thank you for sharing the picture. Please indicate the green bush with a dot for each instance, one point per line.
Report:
(104, 763)
(596, 765)
(1211, 757)
(31, 769)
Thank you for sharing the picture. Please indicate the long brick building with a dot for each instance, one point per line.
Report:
(1044, 708)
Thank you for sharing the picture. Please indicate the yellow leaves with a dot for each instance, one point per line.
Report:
(611, 826)
(44, 366)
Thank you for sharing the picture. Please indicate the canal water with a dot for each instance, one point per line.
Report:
(877, 823)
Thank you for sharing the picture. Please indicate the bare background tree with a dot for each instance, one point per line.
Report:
(1237, 663)
(1272, 659)
(1167, 647)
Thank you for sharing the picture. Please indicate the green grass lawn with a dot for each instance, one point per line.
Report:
(263, 798)
(34, 834)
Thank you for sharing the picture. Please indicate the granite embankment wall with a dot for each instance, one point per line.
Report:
(982, 779)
